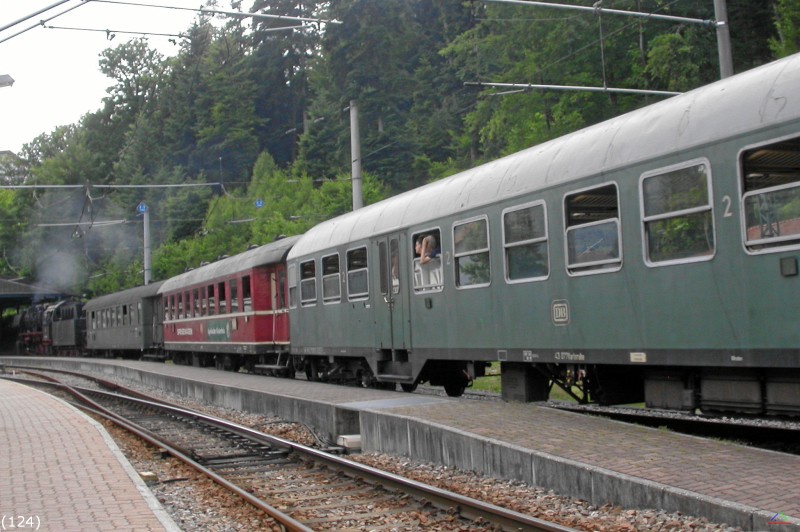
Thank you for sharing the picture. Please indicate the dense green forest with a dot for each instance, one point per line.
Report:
(256, 118)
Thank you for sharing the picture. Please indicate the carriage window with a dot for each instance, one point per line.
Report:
(427, 274)
(222, 298)
(394, 261)
(593, 231)
(292, 278)
(678, 222)
(525, 243)
(246, 297)
(211, 301)
(771, 201)
(471, 253)
(389, 266)
(384, 265)
(196, 299)
(357, 280)
(331, 282)
(234, 292)
(281, 289)
(308, 283)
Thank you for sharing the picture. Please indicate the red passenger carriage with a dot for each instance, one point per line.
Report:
(232, 313)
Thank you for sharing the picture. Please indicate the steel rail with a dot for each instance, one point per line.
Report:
(87, 403)
(466, 506)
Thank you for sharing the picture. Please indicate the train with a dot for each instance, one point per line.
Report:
(56, 328)
(649, 258)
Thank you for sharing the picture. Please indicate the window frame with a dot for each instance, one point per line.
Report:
(304, 281)
(545, 239)
(421, 288)
(331, 299)
(291, 278)
(358, 296)
(247, 293)
(709, 207)
(791, 244)
(478, 251)
(595, 267)
(222, 298)
(211, 292)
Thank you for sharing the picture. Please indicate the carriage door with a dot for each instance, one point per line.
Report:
(392, 323)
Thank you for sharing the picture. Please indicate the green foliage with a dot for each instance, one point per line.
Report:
(787, 22)
(265, 114)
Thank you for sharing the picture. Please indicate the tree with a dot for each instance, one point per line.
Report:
(385, 56)
(787, 23)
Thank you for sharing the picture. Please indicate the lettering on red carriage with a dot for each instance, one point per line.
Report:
(219, 331)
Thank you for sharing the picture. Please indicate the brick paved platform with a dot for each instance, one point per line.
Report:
(60, 470)
(599, 460)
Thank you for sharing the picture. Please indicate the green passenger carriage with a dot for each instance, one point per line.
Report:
(649, 257)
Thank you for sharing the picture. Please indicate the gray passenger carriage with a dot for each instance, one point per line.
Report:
(126, 324)
(651, 256)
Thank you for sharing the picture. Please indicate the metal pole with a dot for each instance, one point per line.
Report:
(147, 260)
(355, 153)
(723, 39)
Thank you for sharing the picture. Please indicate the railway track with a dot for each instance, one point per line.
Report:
(300, 487)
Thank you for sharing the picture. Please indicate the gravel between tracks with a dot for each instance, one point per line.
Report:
(188, 497)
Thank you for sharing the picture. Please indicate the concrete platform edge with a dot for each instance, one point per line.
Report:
(409, 437)
(383, 431)
(151, 500)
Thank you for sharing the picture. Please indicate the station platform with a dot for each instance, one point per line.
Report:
(62, 471)
(598, 460)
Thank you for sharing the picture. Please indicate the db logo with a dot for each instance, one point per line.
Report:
(560, 312)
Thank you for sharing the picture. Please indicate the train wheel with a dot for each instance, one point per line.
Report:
(312, 369)
(409, 387)
(455, 385)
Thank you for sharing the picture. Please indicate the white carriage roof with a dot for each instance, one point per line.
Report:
(268, 254)
(760, 97)
(123, 297)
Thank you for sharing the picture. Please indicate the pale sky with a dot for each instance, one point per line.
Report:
(56, 74)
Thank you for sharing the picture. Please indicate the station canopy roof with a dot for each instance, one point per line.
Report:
(15, 293)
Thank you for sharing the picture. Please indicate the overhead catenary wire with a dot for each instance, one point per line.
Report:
(597, 10)
(200, 10)
(28, 17)
(522, 87)
(42, 22)
(204, 10)
(90, 186)
(112, 33)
